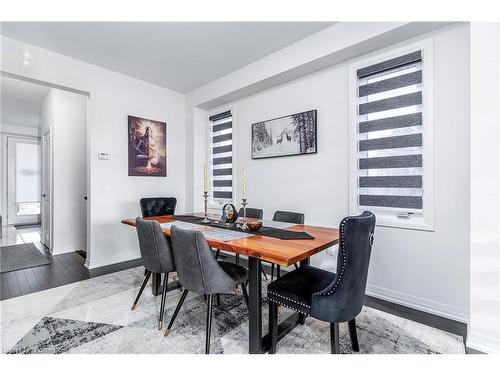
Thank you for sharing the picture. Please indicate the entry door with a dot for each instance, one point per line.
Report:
(46, 173)
(23, 180)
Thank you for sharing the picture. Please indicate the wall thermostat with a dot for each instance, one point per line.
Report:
(103, 156)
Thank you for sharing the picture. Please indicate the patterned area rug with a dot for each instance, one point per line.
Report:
(94, 316)
(18, 257)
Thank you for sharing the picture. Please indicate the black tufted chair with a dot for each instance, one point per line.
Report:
(254, 213)
(200, 273)
(286, 217)
(158, 206)
(332, 297)
(157, 257)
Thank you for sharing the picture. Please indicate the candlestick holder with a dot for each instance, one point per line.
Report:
(244, 226)
(205, 196)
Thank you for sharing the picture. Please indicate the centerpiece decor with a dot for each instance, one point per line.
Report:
(205, 193)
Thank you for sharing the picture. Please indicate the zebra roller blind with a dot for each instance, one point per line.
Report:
(221, 136)
(390, 134)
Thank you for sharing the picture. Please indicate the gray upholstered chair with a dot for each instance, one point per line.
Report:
(158, 206)
(286, 217)
(332, 297)
(157, 257)
(199, 272)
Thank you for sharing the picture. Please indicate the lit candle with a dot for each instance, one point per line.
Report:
(244, 183)
(205, 179)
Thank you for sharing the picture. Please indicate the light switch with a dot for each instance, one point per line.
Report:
(103, 156)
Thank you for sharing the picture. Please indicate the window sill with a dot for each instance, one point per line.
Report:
(411, 224)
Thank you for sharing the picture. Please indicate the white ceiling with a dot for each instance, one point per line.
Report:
(178, 55)
(21, 102)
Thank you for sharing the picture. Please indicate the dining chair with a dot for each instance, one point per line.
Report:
(332, 297)
(157, 257)
(286, 217)
(199, 272)
(158, 206)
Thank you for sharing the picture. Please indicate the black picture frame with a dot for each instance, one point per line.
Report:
(305, 139)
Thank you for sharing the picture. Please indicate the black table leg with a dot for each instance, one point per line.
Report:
(156, 284)
(302, 317)
(304, 262)
(255, 307)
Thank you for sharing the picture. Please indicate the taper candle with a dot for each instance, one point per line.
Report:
(205, 178)
(244, 183)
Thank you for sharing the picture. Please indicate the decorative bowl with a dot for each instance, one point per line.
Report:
(254, 225)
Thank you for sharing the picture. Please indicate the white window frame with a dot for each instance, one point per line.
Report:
(387, 217)
(217, 204)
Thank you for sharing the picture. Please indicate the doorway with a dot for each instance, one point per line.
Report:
(24, 180)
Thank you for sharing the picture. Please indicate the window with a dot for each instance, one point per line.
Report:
(221, 156)
(391, 138)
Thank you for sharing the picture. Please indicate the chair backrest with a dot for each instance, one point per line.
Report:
(289, 217)
(197, 268)
(343, 299)
(158, 206)
(254, 213)
(155, 247)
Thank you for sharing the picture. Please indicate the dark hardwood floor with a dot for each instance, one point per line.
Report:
(63, 269)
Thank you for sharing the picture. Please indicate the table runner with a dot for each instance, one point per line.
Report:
(263, 231)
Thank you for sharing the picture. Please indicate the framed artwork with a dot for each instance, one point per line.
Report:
(147, 147)
(284, 136)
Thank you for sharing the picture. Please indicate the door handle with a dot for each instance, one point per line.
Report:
(44, 195)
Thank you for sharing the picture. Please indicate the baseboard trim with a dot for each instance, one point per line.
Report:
(418, 303)
(485, 344)
(122, 257)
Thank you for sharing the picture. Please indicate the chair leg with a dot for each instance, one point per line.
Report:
(302, 319)
(237, 258)
(354, 335)
(295, 265)
(245, 293)
(147, 275)
(263, 272)
(272, 271)
(278, 271)
(179, 305)
(209, 324)
(217, 254)
(334, 338)
(273, 326)
(218, 300)
(163, 298)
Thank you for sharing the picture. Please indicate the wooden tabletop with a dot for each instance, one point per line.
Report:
(282, 252)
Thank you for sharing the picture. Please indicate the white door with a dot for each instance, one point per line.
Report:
(46, 173)
(23, 180)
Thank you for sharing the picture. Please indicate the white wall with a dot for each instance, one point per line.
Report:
(65, 115)
(484, 328)
(112, 96)
(5, 131)
(426, 270)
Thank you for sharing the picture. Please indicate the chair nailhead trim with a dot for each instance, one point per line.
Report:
(287, 306)
(288, 299)
(343, 250)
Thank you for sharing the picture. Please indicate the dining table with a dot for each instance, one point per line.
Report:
(258, 248)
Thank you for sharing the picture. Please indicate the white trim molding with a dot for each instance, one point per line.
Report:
(107, 261)
(418, 303)
(485, 344)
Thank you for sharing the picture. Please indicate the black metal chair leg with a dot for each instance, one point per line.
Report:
(209, 324)
(302, 319)
(237, 258)
(217, 254)
(144, 283)
(295, 265)
(272, 271)
(263, 272)
(273, 326)
(218, 300)
(278, 271)
(245, 293)
(179, 305)
(163, 298)
(334, 338)
(354, 335)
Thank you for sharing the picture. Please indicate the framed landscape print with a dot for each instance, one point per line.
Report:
(284, 136)
(147, 147)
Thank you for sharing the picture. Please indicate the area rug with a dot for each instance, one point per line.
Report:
(18, 257)
(94, 316)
